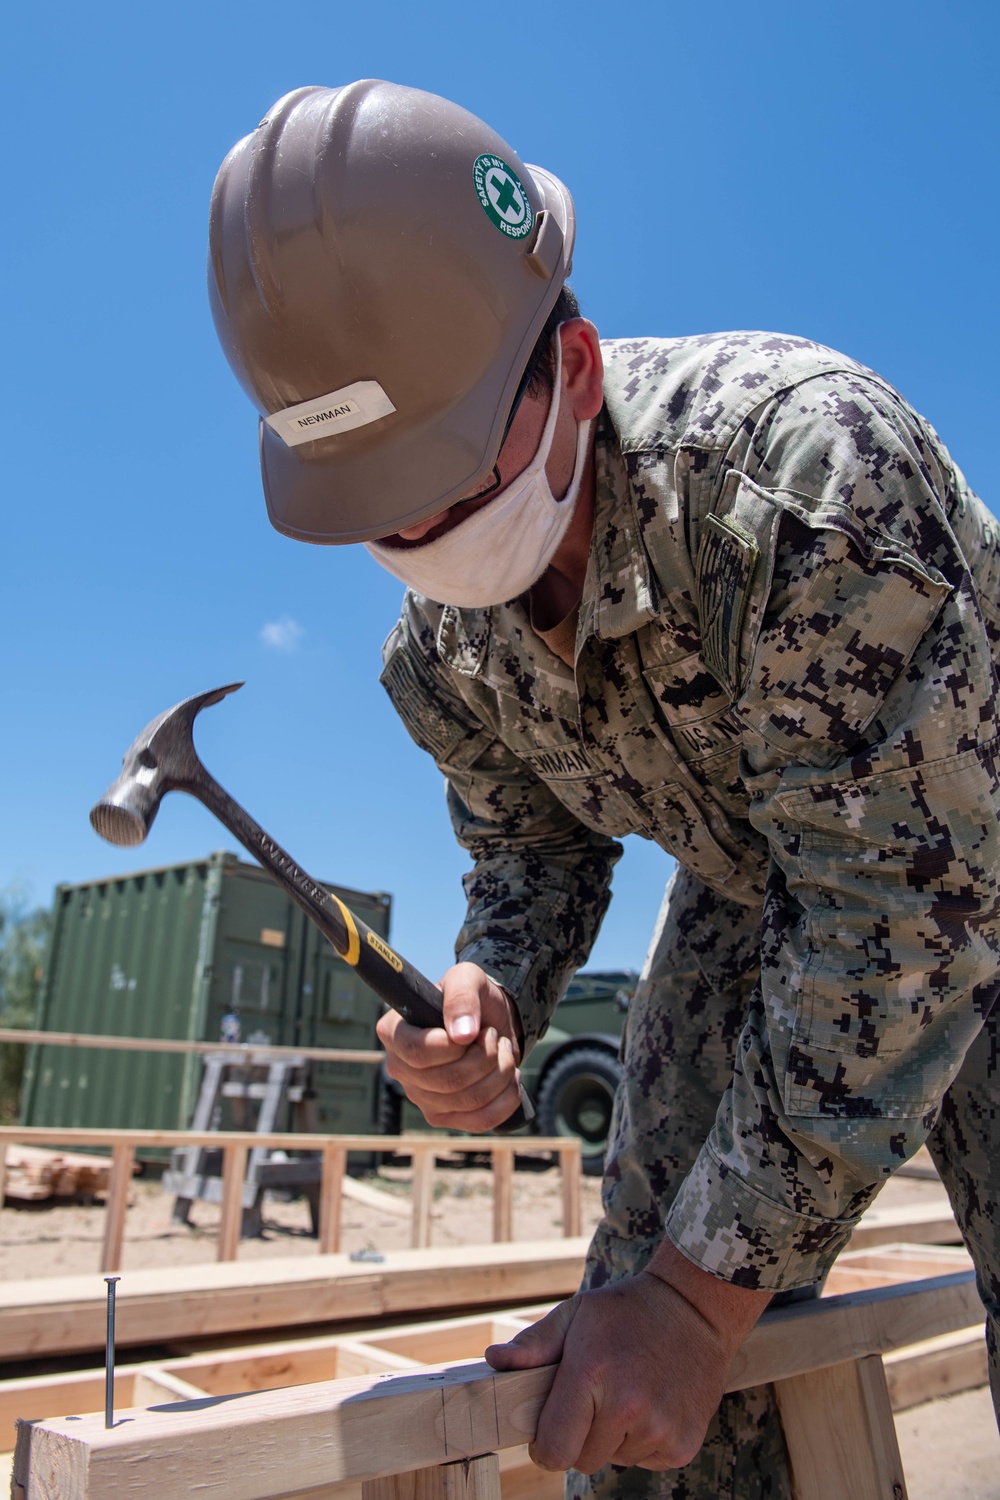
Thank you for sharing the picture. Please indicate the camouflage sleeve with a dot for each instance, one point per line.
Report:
(541, 881)
(864, 684)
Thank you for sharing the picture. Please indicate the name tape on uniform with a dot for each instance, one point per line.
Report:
(339, 411)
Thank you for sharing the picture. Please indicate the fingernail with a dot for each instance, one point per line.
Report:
(491, 1037)
(506, 1043)
(463, 1027)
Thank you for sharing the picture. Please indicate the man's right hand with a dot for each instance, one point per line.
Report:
(462, 1076)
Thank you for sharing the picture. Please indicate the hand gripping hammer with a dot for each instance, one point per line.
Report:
(163, 759)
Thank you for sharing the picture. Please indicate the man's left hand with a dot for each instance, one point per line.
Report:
(642, 1366)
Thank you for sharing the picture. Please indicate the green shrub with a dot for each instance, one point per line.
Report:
(23, 941)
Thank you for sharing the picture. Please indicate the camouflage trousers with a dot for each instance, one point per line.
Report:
(683, 1026)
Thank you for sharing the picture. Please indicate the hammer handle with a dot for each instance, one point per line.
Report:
(383, 970)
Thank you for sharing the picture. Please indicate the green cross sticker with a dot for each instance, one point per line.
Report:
(503, 196)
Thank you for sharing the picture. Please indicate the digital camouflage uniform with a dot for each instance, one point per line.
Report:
(784, 676)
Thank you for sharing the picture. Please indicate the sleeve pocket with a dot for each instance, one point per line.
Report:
(837, 615)
(429, 722)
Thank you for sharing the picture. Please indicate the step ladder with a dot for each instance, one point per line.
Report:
(196, 1171)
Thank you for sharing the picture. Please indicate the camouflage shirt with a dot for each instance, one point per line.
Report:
(784, 676)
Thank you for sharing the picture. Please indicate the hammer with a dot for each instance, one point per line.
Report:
(163, 759)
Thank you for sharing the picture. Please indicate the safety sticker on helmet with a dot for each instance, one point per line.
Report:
(503, 196)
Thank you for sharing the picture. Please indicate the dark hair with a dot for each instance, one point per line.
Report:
(539, 372)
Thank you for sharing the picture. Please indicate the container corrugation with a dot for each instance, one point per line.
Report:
(167, 953)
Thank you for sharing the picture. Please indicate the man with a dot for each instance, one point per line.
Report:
(727, 592)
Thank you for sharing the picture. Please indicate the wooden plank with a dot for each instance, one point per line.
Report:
(941, 1366)
(372, 1197)
(917, 1223)
(445, 1339)
(503, 1197)
(423, 1195)
(238, 1052)
(571, 1169)
(36, 1396)
(520, 1479)
(471, 1479)
(842, 1328)
(76, 1135)
(151, 1386)
(840, 1435)
(337, 1431)
(234, 1172)
(884, 1264)
(67, 1313)
(122, 1167)
(361, 1429)
(331, 1193)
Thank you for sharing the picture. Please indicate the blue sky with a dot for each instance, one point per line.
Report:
(827, 170)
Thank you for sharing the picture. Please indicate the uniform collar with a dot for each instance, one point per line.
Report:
(620, 592)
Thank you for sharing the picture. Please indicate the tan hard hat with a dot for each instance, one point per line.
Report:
(381, 264)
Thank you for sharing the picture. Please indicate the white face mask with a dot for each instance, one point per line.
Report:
(502, 549)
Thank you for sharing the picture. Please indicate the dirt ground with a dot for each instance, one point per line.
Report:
(950, 1448)
(61, 1238)
(56, 1238)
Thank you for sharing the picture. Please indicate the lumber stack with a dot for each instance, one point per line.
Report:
(34, 1173)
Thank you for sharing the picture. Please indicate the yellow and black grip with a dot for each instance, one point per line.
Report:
(394, 980)
(400, 985)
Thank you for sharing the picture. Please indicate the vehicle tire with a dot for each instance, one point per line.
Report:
(390, 1108)
(576, 1098)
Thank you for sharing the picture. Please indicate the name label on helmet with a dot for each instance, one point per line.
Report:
(339, 411)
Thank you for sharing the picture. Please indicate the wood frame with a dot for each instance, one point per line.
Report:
(422, 1149)
(60, 1315)
(937, 1366)
(374, 1427)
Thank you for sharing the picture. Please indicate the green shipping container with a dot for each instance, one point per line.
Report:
(169, 952)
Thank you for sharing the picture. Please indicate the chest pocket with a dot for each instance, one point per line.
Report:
(581, 785)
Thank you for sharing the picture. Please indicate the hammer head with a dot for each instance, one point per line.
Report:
(161, 759)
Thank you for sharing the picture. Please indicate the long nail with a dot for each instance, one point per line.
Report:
(109, 1356)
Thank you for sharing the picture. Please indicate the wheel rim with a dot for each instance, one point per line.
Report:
(584, 1110)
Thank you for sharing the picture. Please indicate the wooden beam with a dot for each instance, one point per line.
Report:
(840, 1434)
(331, 1197)
(122, 1167)
(503, 1197)
(470, 1479)
(338, 1431)
(240, 1052)
(810, 1335)
(234, 1172)
(62, 1314)
(151, 1385)
(915, 1223)
(423, 1195)
(333, 1432)
(373, 1197)
(936, 1367)
(75, 1135)
(571, 1167)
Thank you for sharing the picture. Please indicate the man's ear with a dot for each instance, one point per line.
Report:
(583, 367)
